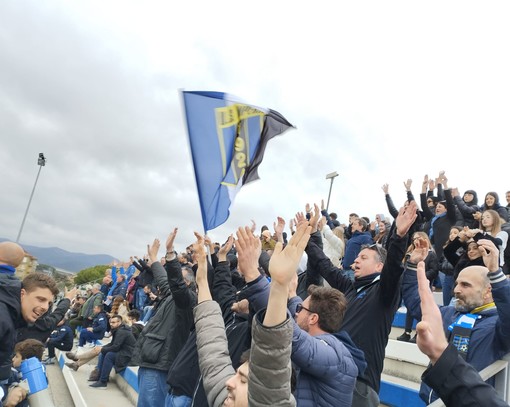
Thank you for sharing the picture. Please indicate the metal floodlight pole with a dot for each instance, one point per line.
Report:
(331, 176)
(41, 162)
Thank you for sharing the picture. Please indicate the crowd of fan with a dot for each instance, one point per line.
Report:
(188, 319)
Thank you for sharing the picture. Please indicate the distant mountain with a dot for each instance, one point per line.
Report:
(62, 259)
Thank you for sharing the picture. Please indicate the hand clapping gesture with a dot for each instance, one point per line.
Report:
(282, 267)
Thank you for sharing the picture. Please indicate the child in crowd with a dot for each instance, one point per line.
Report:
(24, 350)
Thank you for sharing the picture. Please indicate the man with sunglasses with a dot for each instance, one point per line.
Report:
(373, 298)
(327, 370)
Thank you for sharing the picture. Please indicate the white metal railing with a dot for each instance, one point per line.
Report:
(498, 370)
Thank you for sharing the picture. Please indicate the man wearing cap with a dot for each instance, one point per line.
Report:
(268, 243)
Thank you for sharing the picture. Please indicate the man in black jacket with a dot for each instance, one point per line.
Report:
(167, 330)
(116, 354)
(374, 297)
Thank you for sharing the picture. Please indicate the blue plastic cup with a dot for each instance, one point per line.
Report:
(33, 370)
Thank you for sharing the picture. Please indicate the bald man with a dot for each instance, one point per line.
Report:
(478, 325)
(11, 256)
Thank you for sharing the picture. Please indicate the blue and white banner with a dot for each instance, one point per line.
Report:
(227, 140)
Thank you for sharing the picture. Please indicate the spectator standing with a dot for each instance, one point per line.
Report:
(373, 298)
(167, 330)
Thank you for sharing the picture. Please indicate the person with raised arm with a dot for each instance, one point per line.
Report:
(456, 382)
(265, 379)
(373, 297)
(478, 325)
(166, 332)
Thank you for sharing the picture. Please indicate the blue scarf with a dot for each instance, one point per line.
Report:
(6, 269)
(431, 230)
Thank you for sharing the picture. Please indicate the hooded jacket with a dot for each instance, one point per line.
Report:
(10, 320)
(468, 209)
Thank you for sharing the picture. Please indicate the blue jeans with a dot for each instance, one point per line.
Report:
(177, 401)
(147, 313)
(87, 336)
(140, 298)
(105, 364)
(152, 387)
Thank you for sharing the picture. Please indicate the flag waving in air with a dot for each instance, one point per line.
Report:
(227, 139)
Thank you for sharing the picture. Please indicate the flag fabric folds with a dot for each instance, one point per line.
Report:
(227, 140)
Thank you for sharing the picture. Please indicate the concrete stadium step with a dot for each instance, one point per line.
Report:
(116, 393)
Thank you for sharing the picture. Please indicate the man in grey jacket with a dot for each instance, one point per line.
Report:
(265, 379)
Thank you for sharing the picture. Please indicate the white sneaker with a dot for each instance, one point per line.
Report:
(89, 345)
(107, 334)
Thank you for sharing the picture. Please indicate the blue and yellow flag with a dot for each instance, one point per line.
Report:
(227, 139)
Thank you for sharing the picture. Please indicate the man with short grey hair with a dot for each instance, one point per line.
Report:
(86, 313)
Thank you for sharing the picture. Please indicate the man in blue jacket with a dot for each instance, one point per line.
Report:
(327, 371)
(478, 325)
(61, 338)
(98, 328)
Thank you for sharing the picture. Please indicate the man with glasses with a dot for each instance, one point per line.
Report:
(327, 371)
(373, 298)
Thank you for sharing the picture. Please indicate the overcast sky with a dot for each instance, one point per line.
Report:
(378, 91)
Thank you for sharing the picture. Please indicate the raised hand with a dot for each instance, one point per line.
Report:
(279, 225)
(431, 339)
(432, 185)
(152, 250)
(204, 293)
(405, 219)
(490, 254)
(386, 189)
(420, 251)
(170, 240)
(253, 226)
(284, 261)
(424, 184)
(322, 223)
(407, 184)
(71, 293)
(314, 218)
(283, 264)
(222, 253)
(300, 219)
(248, 252)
